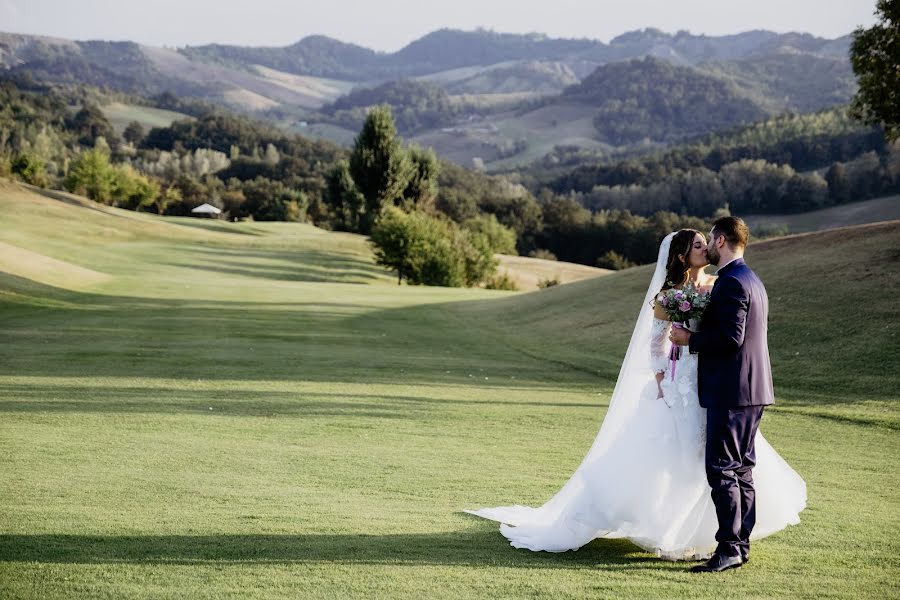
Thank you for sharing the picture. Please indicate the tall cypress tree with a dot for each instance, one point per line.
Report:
(379, 165)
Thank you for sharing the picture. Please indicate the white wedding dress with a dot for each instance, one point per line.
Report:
(644, 477)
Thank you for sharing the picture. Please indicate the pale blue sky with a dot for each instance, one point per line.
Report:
(391, 24)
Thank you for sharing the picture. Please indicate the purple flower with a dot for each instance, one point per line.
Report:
(685, 306)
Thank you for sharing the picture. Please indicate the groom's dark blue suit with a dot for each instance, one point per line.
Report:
(735, 384)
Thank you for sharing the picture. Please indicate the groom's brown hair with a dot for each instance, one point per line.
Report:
(734, 229)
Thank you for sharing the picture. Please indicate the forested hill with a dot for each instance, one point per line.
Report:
(654, 99)
(315, 55)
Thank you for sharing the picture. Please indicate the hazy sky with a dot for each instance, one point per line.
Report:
(391, 24)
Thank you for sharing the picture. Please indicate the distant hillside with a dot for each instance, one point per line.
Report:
(789, 81)
(451, 48)
(416, 105)
(534, 77)
(315, 55)
(120, 115)
(146, 70)
(122, 66)
(493, 80)
(687, 48)
(653, 99)
(448, 49)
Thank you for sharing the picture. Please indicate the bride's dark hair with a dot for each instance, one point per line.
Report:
(677, 265)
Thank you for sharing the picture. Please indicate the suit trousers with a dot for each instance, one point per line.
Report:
(730, 458)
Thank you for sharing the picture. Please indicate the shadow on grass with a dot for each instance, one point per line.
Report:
(89, 335)
(287, 273)
(472, 547)
(218, 226)
(333, 261)
(37, 398)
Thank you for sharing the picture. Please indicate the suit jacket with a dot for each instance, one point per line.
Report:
(732, 342)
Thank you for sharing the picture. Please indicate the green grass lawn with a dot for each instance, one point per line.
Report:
(201, 409)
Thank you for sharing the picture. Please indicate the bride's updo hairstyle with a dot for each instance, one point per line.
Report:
(677, 265)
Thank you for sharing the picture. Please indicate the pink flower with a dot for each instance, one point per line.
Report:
(685, 306)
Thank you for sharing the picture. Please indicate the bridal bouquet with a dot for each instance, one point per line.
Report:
(681, 305)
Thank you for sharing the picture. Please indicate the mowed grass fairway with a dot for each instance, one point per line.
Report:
(196, 409)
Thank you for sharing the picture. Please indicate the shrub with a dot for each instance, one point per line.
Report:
(545, 283)
(92, 176)
(542, 254)
(31, 168)
(613, 260)
(427, 250)
(501, 281)
(500, 238)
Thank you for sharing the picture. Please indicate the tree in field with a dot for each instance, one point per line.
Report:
(379, 165)
(479, 263)
(134, 133)
(89, 123)
(31, 168)
(875, 56)
(171, 195)
(427, 250)
(132, 190)
(92, 175)
(500, 239)
(422, 188)
(838, 184)
(345, 201)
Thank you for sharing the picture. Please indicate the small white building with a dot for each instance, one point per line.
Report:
(206, 209)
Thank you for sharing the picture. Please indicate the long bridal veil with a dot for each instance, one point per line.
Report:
(570, 519)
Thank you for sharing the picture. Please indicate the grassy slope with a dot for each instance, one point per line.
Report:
(529, 273)
(857, 213)
(834, 335)
(228, 416)
(120, 115)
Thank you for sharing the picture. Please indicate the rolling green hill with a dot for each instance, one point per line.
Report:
(120, 115)
(191, 408)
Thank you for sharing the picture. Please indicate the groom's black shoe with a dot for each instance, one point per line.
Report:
(718, 563)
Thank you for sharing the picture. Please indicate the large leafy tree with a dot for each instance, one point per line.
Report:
(92, 175)
(875, 55)
(379, 165)
(428, 250)
(89, 123)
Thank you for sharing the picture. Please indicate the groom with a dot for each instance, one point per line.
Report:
(735, 383)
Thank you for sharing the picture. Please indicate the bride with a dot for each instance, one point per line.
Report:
(644, 477)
